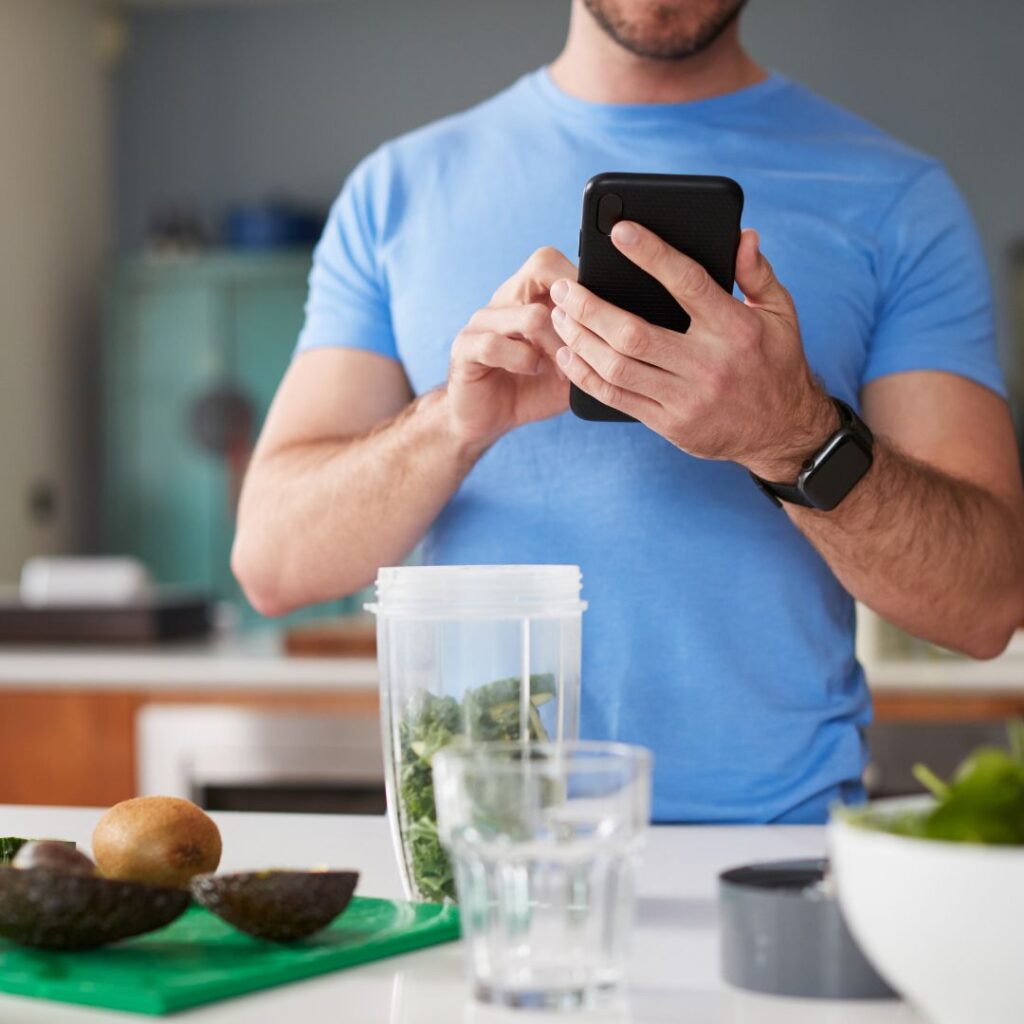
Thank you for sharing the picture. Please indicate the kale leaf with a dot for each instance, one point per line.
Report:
(9, 846)
(428, 723)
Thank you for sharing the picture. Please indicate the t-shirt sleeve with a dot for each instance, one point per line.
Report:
(936, 302)
(348, 304)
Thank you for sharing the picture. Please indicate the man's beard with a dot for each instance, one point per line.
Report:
(657, 37)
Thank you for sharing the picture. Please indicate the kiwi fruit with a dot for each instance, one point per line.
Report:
(60, 910)
(279, 906)
(156, 840)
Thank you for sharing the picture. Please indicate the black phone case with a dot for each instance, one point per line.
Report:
(698, 215)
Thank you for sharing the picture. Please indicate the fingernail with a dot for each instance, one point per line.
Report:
(558, 315)
(559, 290)
(625, 234)
(563, 357)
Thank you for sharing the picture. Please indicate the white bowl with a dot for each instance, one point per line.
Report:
(942, 922)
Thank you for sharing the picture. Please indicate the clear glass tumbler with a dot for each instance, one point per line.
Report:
(543, 838)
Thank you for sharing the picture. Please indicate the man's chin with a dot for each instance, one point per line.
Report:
(664, 31)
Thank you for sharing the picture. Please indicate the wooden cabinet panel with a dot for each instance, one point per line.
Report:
(66, 747)
(967, 705)
(77, 748)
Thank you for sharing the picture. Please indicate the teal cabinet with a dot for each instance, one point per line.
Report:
(193, 351)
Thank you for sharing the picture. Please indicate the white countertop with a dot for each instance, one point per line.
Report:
(674, 970)
(252, 660)
(256, 660)
(1004, 674)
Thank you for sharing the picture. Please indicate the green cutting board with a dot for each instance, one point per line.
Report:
(200, 959)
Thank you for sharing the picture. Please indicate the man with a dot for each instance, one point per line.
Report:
(720, 629)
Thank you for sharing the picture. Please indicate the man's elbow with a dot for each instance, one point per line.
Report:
(260, 586)
(986, 646)
(991, 637)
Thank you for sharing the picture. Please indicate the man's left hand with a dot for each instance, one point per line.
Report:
(735, 386)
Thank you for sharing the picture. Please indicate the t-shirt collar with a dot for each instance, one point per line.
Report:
(631, 114)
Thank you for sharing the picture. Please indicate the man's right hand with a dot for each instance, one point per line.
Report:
(503, 372)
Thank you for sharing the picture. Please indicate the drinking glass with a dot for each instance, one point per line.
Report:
(543, 838)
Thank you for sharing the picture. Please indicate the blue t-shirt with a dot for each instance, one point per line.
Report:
(716, 635)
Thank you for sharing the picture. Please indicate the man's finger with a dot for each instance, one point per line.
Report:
(613, 366)
(756, 278)
(533, 280)
(476, 351)
(684, 279)
(587, 379)
(631, 335)
(531, 321)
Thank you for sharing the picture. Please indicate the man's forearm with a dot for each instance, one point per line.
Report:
(316, 520)
(937, 556)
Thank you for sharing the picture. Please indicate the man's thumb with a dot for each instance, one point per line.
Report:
(756, 278)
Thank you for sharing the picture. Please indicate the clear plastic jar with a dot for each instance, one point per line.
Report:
(472, 652)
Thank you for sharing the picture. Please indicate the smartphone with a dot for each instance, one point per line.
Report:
(698, 215)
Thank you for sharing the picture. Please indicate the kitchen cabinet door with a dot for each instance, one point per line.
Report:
(263, 321)
(177, 485)
(183, 334)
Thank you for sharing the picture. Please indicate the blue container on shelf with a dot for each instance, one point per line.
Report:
(273, 225)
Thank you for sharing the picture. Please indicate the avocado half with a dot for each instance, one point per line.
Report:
(10, 845)
(280, 906)
(59, 911)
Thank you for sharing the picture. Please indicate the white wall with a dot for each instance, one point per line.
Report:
(53, 229)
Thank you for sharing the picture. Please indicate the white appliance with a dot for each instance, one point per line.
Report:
(231, 758)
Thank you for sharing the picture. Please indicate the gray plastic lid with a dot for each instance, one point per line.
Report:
(782, 933)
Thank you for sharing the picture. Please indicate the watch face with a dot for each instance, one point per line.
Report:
(835, 472)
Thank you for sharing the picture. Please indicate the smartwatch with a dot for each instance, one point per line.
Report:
(829, 475)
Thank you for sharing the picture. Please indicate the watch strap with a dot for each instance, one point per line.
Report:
(780, 492)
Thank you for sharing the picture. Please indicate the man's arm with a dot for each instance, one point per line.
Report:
(932, 538)
(349, 473)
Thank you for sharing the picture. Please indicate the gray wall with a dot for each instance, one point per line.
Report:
(238, 101)
(228, 102)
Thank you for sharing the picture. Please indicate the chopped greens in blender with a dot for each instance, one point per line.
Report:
(489, 712)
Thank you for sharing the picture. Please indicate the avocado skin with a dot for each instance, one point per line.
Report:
(58, 911)
(279, 906)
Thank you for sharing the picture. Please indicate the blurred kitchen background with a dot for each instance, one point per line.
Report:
(165, 166)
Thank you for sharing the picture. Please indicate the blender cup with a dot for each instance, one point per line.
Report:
(470, 653)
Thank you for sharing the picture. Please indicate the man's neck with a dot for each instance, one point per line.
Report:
(594, 67)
